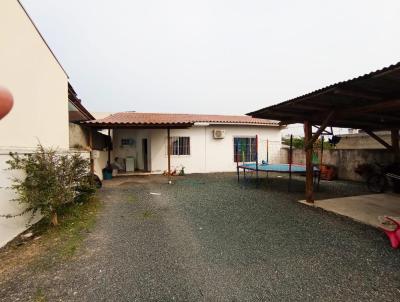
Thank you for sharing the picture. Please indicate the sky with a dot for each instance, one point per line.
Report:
(217, 56)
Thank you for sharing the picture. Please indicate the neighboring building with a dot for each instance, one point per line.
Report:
(100, 115)
(42, 106)
(79, 134)
(362, 140)
(199, 143)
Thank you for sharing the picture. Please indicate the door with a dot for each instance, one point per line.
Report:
(144, 152)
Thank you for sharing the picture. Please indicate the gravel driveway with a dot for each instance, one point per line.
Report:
(206, 238)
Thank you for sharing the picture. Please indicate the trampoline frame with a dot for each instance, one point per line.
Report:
(255, 166)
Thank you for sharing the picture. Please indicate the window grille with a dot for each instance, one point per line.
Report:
(180, 145)
(244, 149)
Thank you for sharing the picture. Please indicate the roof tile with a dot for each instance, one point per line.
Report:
(137, 118)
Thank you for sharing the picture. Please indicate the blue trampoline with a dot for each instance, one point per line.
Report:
(284, 168)
(279, 168)
(243, 151)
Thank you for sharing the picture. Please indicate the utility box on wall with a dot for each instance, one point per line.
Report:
(95, 154)
(218, 134)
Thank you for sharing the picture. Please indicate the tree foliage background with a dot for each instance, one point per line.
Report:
(298, 143)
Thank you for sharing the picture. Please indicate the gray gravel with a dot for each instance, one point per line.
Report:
(206, 238)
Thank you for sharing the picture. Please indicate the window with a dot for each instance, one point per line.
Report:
(180, 145)
(244, 149)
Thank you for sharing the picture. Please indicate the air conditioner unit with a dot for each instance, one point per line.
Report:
(219, 134)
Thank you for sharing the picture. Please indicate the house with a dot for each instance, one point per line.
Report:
(197, 143)
(44, 103)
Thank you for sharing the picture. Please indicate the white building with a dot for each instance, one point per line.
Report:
(199, 143)
(43, 103)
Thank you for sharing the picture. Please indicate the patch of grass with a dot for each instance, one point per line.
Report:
(147, 214)
(50, 245)
(131, 199)
(39, 296)
(77, 221)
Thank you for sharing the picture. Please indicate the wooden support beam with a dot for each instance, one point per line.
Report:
(308, 107)
(91, 155)
(378, 139)
(374, 108)
(109, 146)
(395, 143)
(324, 131)
(324, 124)
(169, 150)
(358, 94)
(384, 117)
(309, 167)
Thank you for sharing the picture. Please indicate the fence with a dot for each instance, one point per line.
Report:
(344, 160)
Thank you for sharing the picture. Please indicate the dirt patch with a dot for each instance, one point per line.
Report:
(48, 245)
(128, 181)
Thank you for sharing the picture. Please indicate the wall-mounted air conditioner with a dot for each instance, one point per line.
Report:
(219, 133)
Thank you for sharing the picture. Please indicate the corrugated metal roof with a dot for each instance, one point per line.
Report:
(369, 102)
(137, 118)
(366, 76)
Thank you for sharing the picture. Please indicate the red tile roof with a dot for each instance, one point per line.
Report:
(165, 119)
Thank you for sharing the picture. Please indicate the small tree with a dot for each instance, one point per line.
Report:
(52, 181)
(298, 143)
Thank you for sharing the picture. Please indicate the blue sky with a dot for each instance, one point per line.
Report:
(222, 57)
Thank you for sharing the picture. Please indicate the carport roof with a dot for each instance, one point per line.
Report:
(172, 120)
(370, 101)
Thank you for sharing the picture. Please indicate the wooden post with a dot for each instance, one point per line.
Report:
(91, 155)
(309, 167)
(236, 156)
(257, 158)
(320, 160)
(290, 162)
(321, 129)
(169, 150)
(395, 143)
(109, 147)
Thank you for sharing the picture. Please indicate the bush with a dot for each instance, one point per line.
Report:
(52, 181)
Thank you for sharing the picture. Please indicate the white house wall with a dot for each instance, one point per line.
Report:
(220, 152)
(193, 163)
(207, 154)
(40, 89)
(37, 82)
(134, 150)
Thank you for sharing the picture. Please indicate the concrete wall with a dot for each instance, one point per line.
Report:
(9, 228)
(206, 153)
(347, 160)
(79, 138)
(40, 113)
(100, 163)
(363, 141)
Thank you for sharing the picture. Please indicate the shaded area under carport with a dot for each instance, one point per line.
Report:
(369, 102)
(367, 209)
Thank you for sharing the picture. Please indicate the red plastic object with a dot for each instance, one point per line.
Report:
(328, 172)
(393, 235)
(6, 102)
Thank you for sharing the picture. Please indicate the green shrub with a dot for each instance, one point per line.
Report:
(52, 181)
